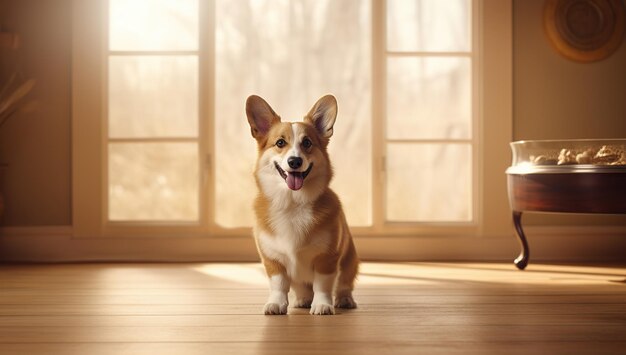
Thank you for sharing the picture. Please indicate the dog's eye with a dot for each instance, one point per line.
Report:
(306, 143)
(281, 143)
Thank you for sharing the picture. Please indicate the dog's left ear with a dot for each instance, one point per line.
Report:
(323, 114)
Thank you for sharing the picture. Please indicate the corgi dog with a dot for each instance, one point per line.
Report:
(301, 231)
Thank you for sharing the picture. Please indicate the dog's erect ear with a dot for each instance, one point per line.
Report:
(261, 117)
(323, 114)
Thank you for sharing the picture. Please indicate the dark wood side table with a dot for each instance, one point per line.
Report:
(566, 189)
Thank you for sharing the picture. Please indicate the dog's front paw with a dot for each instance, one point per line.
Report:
(345, 302)
(322, 309)
(303, 303)
(275, 308)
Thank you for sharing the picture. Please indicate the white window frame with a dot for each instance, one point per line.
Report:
(492, 127)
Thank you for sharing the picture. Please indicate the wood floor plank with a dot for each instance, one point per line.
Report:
(287, 348)
(409, 300)
(304, 320)
(414, 333)
(399, 309)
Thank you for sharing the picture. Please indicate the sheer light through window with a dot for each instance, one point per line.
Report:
(290, 52)
(153, 92)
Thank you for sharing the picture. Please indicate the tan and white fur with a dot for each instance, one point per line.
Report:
(301, 231)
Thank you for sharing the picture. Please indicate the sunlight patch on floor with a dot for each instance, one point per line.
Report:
(247, 274)
(496, 273)
(437, 273)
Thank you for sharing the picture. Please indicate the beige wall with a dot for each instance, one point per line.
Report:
(553, 98)
(36, 145)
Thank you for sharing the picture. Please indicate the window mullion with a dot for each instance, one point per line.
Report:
(379, 98)
(428, 54)
(207, 114)
(148, 53)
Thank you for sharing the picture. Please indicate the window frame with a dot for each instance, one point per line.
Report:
(90, 190)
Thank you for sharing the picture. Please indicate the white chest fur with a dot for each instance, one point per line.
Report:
(291, 244)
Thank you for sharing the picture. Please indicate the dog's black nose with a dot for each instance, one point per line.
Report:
(294, 162)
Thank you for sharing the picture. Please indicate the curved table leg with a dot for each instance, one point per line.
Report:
(522, 259)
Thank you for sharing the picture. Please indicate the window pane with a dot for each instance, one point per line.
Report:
(141, 25)
(153, 96)
(429, 98)
(429, 182)
(153, 181)
(429, 25)
(291, 53)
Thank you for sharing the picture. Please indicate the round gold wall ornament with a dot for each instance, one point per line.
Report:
(584, 30)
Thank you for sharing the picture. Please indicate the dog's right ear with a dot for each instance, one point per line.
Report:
(261, 117)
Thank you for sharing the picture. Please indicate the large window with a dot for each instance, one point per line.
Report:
(404, 148)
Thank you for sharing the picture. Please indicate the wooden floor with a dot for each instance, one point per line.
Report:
(404, 308)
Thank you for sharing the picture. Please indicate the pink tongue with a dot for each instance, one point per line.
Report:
(294, 181)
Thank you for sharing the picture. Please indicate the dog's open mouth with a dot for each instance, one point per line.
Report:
(294, 179)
